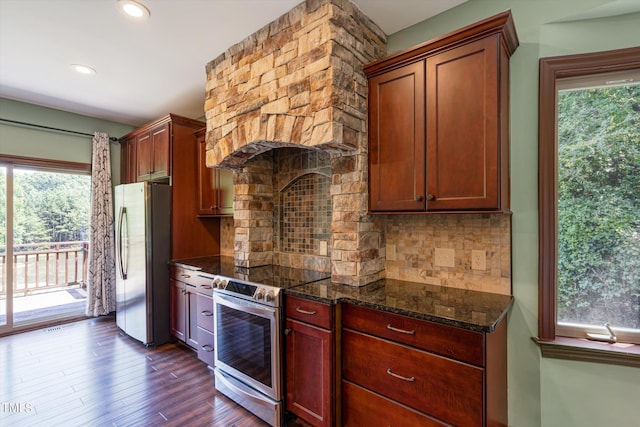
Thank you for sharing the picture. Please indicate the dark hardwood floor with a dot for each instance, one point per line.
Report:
(89, 373)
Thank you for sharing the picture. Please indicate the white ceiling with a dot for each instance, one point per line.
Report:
(144, 69)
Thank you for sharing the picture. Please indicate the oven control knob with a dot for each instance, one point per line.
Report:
(259, 294)
(270, 296)
(216, 283)
(222, 284)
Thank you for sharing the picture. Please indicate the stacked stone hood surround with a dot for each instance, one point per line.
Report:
(298, 82)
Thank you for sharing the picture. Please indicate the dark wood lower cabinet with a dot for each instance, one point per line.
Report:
(362, 407)
(444, 388)
(177, 309)
(309, 362)
(205, 332)
(191, 309)
(398, 370)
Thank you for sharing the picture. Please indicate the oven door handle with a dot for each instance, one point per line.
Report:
(247, 306)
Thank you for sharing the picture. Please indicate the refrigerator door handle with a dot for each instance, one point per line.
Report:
(122, 218)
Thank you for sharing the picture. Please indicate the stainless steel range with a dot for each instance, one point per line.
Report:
(248, 336)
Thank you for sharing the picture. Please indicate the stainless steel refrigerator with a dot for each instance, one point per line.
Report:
(143, 248)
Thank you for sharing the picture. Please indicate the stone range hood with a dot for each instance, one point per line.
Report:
(298, 83)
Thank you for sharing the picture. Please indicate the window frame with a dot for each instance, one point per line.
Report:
(552, 69)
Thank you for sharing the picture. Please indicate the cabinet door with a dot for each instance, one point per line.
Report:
(206, 181)
(128, 165)
(215, 186)
(192, 313)
(397, 140)
(143, 157)
(225, 191)
(462, 127)
(309, 372)
(161, 164)
(132, 162)
(177, 312)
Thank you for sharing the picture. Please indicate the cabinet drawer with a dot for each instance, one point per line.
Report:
(201, 281)
(444, 388)
(362, 407)
(457, 343)
(205, 346)
(205, 312)
(308, 311)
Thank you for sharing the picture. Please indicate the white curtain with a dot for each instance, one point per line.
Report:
(101, 287)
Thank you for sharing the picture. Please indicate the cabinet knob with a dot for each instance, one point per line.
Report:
(213, 208)
(287, 331)
(430, 197)
(417, 198)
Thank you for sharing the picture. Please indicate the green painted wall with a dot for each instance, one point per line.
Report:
(544, 392)
(31, 142)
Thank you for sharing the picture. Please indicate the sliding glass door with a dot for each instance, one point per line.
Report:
(5, 293)
(44, 242)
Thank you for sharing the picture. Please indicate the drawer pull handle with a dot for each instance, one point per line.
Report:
(299, 310)
(206, 286)
(400, 377)
(207, 348)
(206, 313)
(185, 276)
(402, 331)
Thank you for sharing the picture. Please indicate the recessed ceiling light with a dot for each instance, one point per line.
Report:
(83, 69)
(133, 9)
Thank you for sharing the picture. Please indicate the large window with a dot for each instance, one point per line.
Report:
(589, 194)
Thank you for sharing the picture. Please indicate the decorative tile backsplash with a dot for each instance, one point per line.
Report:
(302, 232)
(305, 215)
(412, 240)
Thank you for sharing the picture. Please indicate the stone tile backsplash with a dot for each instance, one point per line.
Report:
(411, 241)
(302, 208)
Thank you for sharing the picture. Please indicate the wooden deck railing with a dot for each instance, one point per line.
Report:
(38, 266)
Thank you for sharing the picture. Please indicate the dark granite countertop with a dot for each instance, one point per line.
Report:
(271, 275)
(213, 264)
(462, 308)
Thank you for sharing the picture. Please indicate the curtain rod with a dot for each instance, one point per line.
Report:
(33, 125)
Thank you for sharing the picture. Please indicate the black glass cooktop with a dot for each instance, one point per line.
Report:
(270, 275)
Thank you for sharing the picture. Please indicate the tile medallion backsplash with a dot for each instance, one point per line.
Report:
(302, 230)
(412, 240)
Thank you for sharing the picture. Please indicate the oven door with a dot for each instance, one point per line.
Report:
(248, 343)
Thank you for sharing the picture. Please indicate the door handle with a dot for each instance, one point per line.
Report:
(121, 219)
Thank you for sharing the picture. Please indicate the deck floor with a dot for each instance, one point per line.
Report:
(46, 305)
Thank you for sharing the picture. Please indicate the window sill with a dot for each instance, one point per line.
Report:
(590, 351)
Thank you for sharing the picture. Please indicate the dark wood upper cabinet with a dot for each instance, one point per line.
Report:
(152, 153)
(160, 157)
(439, 123)
(396, 139)
(215, 186)
(128, 168)
(167, 150)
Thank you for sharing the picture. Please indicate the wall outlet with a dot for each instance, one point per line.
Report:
(478, 260)
(323, 249)
(445, 257)
(391, 252)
